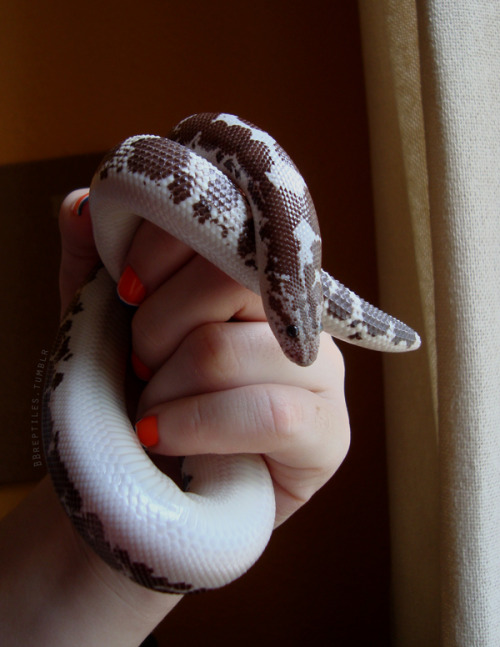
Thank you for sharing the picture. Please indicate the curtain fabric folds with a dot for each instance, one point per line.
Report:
(433, 90)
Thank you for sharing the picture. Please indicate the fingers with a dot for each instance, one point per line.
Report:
(220, 357)
(261, 418)
(196, 294)
(230, 390)
(176, 290)
(232, 378)
(154, 256)
(219, 381)
(224, 386)
(79, 254)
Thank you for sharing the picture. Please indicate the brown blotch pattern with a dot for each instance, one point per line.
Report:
(88, 524)
(235, 149)
(92, 529)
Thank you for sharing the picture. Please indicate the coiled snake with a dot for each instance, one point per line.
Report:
(229, 191)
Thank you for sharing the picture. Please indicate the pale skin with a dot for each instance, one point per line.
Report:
(220, 384)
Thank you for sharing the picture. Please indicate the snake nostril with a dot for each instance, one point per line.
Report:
(292, 331)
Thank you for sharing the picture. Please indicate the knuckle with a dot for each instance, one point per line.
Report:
(212, 353)
(284, 414)
(195, 419)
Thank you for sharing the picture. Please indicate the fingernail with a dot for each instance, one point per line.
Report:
(147, 431)
(130, 288)
(141, 370)
(80, 205)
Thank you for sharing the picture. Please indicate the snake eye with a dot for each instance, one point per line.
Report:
(292, 331)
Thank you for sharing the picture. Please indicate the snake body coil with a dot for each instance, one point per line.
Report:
(229, 191)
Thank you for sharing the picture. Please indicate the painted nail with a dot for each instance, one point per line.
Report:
(81, 204)
(130, 288)
(147, 431)
(143, 372)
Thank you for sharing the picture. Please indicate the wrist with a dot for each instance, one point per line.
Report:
(59, 592)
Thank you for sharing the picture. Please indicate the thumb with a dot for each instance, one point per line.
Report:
(78, 253)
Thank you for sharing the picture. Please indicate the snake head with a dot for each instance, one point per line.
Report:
(296, 328)
(290, 285)
(287, 238)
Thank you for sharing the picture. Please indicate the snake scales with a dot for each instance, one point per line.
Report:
(229, 191)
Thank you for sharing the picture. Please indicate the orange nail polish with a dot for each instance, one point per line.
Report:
(130, 288)
(81, 204)
(147, 431)
(141, 370)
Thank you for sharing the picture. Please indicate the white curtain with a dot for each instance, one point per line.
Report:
(433, 89)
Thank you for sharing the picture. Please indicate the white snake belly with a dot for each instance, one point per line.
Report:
(264, 234)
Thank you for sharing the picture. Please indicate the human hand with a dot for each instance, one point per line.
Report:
(219, 384)
(219, 381)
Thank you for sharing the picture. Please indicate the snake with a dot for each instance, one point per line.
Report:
(227, 189)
